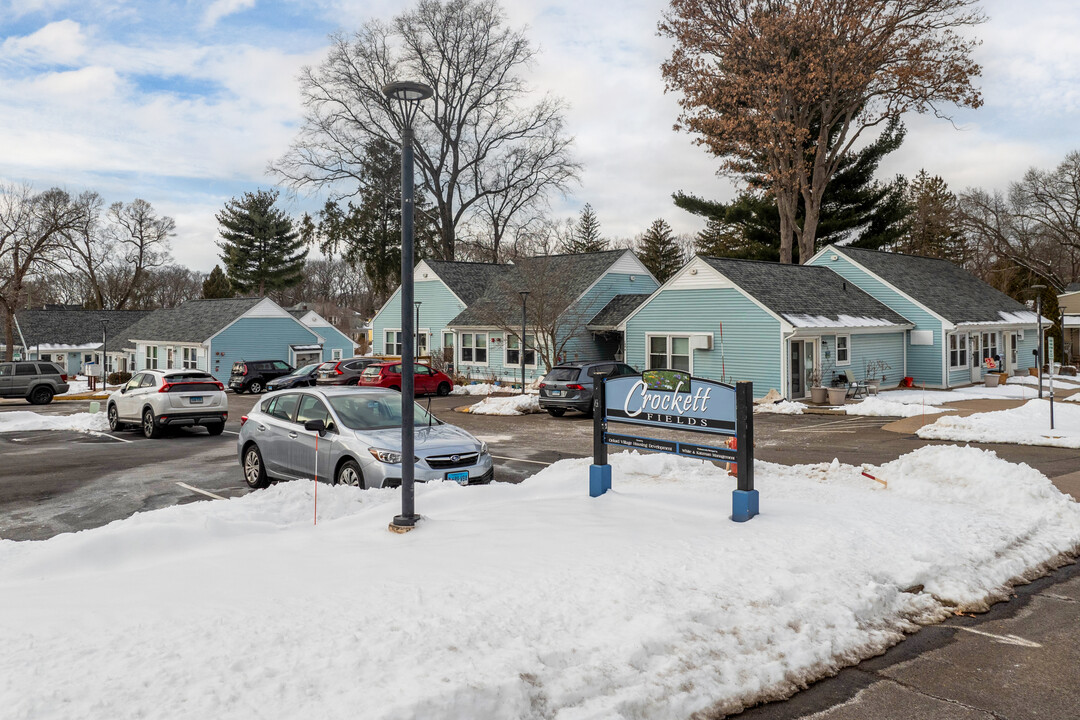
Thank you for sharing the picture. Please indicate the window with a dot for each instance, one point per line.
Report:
(989, 345)
(7, 370)
(284, 407)
(843, 349)
(422, 343)
(335, 354)
(474, 348)
(281, 365)
(393, 342)
(669, 352)
(189, 358)
(513, 351)
(170, 358)
(448, 339)
(135, 382)
(46, 357)
(311, 408)
(958, 351)
(421, 370)
(148, 381)
(26, 369)
(151, 357)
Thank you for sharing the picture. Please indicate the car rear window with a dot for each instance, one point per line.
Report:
(563, 374)
(371, 371)
(187, 377)
(238, 368)
(183, 386)
(49, 369)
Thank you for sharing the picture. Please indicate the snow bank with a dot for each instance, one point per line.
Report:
(786, 407)
(25, 420)
(1059, 383)
(478, 389)
(514, 405)
(515, 601)
(1028, 424)
(876, 406)
(975, 392)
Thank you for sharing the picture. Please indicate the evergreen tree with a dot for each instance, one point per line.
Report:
(216, 285)
(260, 248)
(934, 229)
(585, 237)
(855, 207)
(659, 250)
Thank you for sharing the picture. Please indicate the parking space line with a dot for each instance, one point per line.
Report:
(1005, 639)
(534, 462)
(202, 492)
(111, 437)
(230, 432)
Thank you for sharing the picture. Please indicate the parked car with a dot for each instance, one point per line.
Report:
(569, 386)
(38, 382)
(253, 375)
(343, 372)
(303, 377)
(358, 435)
(426, 379)
(156, 399)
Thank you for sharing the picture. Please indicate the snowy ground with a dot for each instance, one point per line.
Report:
(1060, 383)
(513, 405)
(25, 420)
(515, 601)
(880, 406)
(1012, 391)
(1028, 424)
(79, 385)
(785, 407)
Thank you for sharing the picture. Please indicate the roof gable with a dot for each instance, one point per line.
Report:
(74, 327)
(467, 280)
(942, 287)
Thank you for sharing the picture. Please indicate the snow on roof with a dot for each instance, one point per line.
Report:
(841, 321)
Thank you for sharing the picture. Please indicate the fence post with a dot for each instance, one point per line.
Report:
(744, 499)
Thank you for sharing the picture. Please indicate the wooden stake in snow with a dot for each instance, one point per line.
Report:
(883, 482)
(315, 520)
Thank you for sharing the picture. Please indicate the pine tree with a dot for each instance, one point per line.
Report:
(659, 250)
(586, 235)
(934, 230)
(260, 248)
(216, 285)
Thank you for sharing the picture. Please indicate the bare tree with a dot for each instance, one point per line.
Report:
(34, 228)
(783, 89)
(476, 138)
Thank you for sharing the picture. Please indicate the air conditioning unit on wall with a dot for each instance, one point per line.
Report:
(701, 341)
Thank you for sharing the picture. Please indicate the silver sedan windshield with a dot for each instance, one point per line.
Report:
(371, 411)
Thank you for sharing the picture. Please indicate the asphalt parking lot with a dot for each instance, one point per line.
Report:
(1020, 660)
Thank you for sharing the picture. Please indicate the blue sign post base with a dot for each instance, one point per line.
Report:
(744, 504)
(599, 480)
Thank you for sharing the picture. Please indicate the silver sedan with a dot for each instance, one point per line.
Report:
(352, 436)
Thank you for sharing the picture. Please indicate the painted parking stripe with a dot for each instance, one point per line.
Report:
(111, 437)
(201, 492)
(1005, 639)
(230, 432)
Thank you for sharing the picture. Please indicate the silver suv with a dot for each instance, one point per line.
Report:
(358, 435)
(156, 399)
(38, 382)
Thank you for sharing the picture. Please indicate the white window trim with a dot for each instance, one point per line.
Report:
(506, 351)
(426, 334)
(335, 354)
(155, 357)
(847, 347)
(648, 347)
(189, 354)
(965, 349)
(386, 348)
(461, 346)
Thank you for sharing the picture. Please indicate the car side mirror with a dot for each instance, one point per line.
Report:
(315, 426)
(123, 390)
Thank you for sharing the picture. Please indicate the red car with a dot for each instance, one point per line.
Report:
(388, 375)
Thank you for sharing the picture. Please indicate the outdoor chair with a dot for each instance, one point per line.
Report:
(854, 387)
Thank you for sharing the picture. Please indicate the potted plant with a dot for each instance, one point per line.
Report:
(818, 393)
(874, 368)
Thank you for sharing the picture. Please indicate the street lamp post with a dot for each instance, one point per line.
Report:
(104, 350)
(417, 303)
(407, 95)
(524, 297)
(1038, 314)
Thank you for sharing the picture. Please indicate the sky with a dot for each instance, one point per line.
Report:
(185, 103)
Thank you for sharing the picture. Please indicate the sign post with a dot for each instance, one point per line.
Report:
(673, 400)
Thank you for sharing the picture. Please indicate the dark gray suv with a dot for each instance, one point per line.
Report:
(38, 382)
(569, 386)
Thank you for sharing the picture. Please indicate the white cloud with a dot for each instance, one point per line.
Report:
(62, 42)
(222, 8)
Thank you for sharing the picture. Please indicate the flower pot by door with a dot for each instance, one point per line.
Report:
(819, 395)
(991, 379)
(837, 396)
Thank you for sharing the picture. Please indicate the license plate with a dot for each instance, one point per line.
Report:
(197, 400)
(461, 478)
(556, 393)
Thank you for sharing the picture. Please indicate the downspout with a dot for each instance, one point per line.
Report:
(785, 358)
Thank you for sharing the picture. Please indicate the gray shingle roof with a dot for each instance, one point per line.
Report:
(553, 281)
(467, 280)
(805, 295)
(616, 311)
(1072, 287)
(74, 327)
(945, 288)
(194, 321)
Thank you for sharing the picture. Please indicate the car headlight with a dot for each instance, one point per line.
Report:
(391, 457)
(483, 448)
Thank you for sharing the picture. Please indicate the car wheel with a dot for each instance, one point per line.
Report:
(254, 472)
(215, 428)
(349, 474)
(41, 395)
(556, 412)
(254, 387)
(444, 389)
(114, 419)
(354, 381)
(150, 428)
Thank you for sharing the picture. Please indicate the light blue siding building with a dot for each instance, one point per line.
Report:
(958, 321)
(781, 327)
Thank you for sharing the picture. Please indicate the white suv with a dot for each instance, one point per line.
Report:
(155, 399)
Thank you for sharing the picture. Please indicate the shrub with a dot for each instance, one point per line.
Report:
(118, 378)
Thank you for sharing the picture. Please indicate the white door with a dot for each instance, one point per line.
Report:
(975, 353)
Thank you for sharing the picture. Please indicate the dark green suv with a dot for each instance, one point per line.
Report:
(38, 382)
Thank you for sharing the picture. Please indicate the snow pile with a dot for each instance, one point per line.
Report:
(513, 405)
(24, 421)
(478, 389)
(975, 392)
(514, 601)
(785, 407)
(1028, 424)
(1059, 383)
(876, 406)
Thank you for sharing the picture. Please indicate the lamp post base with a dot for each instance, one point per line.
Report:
(404, 523)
